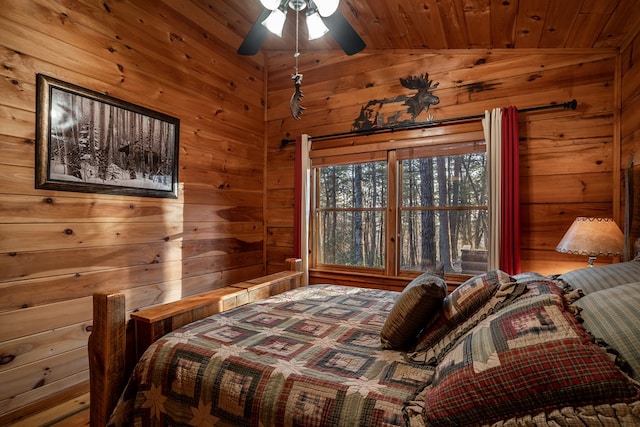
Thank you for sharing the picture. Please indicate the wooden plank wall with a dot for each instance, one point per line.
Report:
(57, 248)
(630, 117)
(630, 103)
(146, 53)
(567, 160)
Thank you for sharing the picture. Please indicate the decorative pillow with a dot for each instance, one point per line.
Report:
(593, 279)
(530, 357)
(613, 315)
(418, 302)
(527, 275)
(467, 305)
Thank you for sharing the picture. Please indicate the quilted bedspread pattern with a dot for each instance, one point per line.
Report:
(311, 357)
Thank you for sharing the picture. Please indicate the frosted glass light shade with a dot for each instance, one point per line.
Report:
(315, 26)
(270, 4)
(326, 7)
(275, 22)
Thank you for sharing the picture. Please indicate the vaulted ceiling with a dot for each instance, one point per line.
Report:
(456, 24)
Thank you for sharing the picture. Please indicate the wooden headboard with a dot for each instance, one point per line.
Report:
(632, 211)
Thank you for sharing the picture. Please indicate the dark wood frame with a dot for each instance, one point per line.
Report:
(116, 344)
(152, 156)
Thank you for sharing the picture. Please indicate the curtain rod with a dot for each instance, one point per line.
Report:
(573, 104)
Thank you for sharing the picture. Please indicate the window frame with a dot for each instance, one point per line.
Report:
(460, 149)
(457, 139)
(315, 220)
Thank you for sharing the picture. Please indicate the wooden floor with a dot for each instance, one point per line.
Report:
(73, 413)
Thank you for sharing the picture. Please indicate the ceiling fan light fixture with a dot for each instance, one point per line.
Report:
(297, 5)
(326, 7)
(272, 20)
(275, 21)
(270, 4)
(315, 26)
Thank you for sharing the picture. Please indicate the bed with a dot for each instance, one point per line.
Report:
(499, 350)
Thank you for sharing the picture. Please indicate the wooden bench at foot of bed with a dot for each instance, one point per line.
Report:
(114, 348)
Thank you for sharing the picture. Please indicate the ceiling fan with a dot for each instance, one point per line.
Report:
(322, 16)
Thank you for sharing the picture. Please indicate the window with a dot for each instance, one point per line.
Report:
(409, 212)
(443, 210)
(351, 214)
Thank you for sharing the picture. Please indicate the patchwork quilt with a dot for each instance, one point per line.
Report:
(309, 357)
(313, 357)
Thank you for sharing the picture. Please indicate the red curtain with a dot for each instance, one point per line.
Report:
(297, 188)
(510, 209)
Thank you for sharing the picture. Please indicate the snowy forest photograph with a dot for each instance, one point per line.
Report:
(90, 142)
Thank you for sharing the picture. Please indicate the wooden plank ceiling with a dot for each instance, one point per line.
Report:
(456, 24)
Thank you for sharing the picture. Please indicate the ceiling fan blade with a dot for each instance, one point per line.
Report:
(256, 36)
(343, 33)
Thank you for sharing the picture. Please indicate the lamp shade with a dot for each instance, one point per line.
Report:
(593, 237)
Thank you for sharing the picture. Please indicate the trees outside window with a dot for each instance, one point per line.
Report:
(437, 211)
(443, 210)
(351, 210)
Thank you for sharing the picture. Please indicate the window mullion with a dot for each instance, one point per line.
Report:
(315, 226)
(392, 257)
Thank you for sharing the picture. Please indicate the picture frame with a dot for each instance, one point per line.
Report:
(90, 142)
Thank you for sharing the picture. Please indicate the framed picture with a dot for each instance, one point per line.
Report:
(93, 143)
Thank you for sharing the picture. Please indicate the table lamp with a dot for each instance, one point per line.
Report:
(592, 237)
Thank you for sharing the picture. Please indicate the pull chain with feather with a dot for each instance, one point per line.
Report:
(296, 98)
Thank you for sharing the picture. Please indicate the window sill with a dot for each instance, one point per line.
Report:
(373, 279)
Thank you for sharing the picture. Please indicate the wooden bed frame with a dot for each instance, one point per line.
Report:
(631, 227)
(116, 344)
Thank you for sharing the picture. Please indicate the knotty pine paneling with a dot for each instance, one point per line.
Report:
(566, 156)
(458, 24)
(630, 120)
(57, 248)
(54, 370)
(178, 57)
(62, 285)
(51, 342)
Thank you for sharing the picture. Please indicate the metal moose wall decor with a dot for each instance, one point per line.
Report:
(384, 113)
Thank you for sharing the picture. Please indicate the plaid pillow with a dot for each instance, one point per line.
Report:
(417, 304)
(593, 279)
(613, 316)
(467, 305)
(531, 357)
